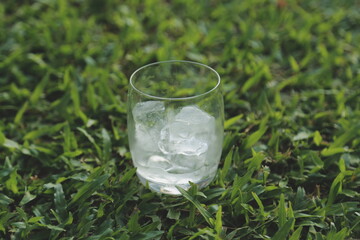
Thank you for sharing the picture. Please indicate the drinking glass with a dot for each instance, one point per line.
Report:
(175, 124)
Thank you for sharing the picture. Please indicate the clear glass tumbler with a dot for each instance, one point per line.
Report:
(175, 124)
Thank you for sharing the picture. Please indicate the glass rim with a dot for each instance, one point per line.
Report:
(175, 98)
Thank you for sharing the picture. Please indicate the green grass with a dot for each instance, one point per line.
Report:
(290, 166)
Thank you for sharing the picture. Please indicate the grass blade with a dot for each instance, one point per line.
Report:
(5, 200)
(207, 216)
(259, 73)
(27, 198)
(127, 176)
(45, 130)
(290, 214)
(76, 101)
(297, 234)
(149, 235)
(67, 138)
(283, 232)
(260, 204)
(12, 183)
(254, 163)
(91, 139)
(87, 190)
(282, 211)
(133, 223)
(239, 182)
(326, 152)
(20, 113)
(335, 188)
(345, 137)
(228, 123)
(60, 203)
(317, 138)
(255, 137)
(218, 222)
(2, 138)
(39, 89)
(106, 145)
(227, 163)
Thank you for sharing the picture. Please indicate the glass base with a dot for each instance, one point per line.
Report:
(171, 188)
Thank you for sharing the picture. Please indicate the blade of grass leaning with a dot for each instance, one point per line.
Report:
(317, 139)
(106, 145)
(76, 103)
(66, 78)
(205, 231)
(45, 130)
(87, 190)
(326, 152)
(290, 214)
(296, 234)
(227, 163)
(149, 235)
(20, 113)
(67, 138)
(231, 121)
(294, 65)
(254, 163)
(60, 202)
(35, 219)
(133, 223)
(2, 138)
(239, 182)
(356, 223)
(345, 137)
(127, 176)
(91, 97)
(107, 91)
(11, 144)
(255, 137)
(207, 216)
(259, 73)
(282, 211)
(218, 222)
(5, 200)
(12, 183)
(334, 189)
(27, 198)
(39, 89)
(259, 202)
(283, 232)
(341, 235)
(91, 139)
(342, 165)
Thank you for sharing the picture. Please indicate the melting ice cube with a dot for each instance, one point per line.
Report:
(159, 162)
(188, 133)
(149, 113)
(149, 118)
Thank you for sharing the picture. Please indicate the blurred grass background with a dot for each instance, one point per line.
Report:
(290, 164)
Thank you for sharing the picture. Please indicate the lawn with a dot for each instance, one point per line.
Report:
(290, 166)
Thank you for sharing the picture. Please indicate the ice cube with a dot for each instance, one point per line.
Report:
(149, 118)
(149, 113)
(188, 134)
(182, 163)
(179, 138)
(145, 137)
(159, 162)
(193, 115)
